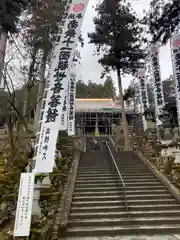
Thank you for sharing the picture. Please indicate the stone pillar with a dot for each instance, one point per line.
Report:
(96, 127)
(36, 210)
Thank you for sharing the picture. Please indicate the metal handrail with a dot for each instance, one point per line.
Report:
(120, 176)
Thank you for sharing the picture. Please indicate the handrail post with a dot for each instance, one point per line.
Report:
(120, 176)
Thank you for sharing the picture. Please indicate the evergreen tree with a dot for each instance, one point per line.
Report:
(10, 10)
(163, 19)
(109, 89)
(118, 35)
(81, 89)
(94, 90)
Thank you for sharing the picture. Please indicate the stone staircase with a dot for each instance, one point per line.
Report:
(98, 205)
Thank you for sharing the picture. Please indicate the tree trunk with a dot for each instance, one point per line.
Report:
(42, 84)
(123, 112)
(29, 82)
(3, 43)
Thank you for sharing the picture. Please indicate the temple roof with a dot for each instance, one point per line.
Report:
(94, 104)
(97, 104)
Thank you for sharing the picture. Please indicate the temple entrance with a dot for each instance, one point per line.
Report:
(101, 114)
(89, 121)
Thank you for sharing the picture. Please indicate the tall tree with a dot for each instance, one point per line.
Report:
(10, 11)
(118, 35)
(40, 33)
(94, 90)
(163, 19)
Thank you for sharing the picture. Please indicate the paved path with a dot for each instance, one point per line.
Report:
(155, 237)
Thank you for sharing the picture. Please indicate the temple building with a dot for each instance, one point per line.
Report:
(101, 114)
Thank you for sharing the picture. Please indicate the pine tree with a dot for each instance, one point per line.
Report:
(108, 87)
(118, 36)
(10, 11)
(163, 19)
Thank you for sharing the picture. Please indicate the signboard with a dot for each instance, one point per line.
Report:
(158, 87)
(62, 61)
(24, 205)
(175, 49)
(71, 105)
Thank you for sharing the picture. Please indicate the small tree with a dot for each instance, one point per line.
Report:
(109, 90)
(129, 95)
(118, 35)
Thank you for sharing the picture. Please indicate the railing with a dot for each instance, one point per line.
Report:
(120, 176)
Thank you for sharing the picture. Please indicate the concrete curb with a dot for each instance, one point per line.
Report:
(172, 189)
(65, 201)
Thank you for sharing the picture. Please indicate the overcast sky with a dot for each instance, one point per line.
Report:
(91, 70)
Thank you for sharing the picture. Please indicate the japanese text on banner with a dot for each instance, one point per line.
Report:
(175, 48)
(158, 88)
(143, 90)
(24, 205)
(71, 105)
(64, 118)
(59, 78)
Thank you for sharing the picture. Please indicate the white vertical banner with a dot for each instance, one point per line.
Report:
(143, 94)
(157, 83)
(64, 115)
(175, 53)
(137, 98)
(59, 75)
(71, 104)
(24, 205)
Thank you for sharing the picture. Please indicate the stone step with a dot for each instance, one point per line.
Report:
(103, 166)
(125, 230)
(115, 179)
(102, 222)
(105, 202)
(165, 208)
(113, 183)
(89, 171)
(117, 196)
(121, 192)
(98, 204)
(95, 163)
(130, 172)
(113, 176)
(120, 188)
(109, 165)
(134, 175)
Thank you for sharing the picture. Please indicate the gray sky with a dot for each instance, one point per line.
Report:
(91, 70)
